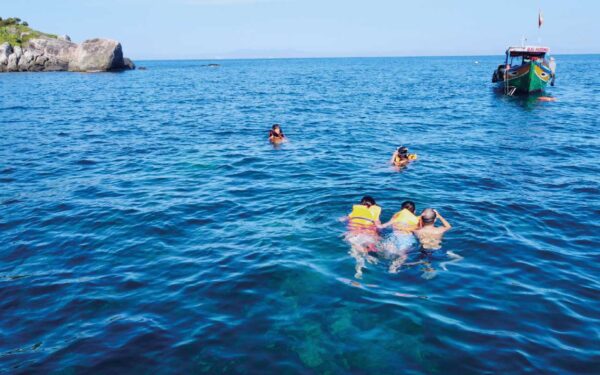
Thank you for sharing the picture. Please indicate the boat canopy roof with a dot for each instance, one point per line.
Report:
(527, 51)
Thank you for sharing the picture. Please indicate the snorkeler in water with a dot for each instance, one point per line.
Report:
(276, 134)
(401, 157)
(430, 238)
(429, 235)
(363, 234)
(404, 223)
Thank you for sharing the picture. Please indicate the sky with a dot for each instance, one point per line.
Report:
(188, 29)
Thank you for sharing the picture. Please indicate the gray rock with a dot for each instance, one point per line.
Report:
(27, 57)
(128, 64)
(18, 51)
(60, 49)
(65, 37)
(40, 60)
(97, 55)
(55, 65)
(35, 68)
(5, 50)
(26, 61)
(12, 64)
(50, 54)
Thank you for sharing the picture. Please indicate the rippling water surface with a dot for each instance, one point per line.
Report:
(146, 226)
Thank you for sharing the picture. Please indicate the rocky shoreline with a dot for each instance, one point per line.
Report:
(46, 54)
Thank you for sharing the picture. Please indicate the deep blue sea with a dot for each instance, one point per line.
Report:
(148, 227)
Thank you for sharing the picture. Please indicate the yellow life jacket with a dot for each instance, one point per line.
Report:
(409, 157)
(364, 218)
(405, 221)
(376, 211)
(398, 160)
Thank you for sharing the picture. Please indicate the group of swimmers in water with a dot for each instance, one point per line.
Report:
(365, 228)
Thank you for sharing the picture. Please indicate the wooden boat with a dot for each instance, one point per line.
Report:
(526, 69)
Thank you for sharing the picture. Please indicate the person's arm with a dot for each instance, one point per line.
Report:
(393, 157)
(445, 223)
(383, 226)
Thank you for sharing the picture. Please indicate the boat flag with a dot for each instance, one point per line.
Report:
(540, 19)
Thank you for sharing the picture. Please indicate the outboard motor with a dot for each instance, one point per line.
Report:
(500, 72)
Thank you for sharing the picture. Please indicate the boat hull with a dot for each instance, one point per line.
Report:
(527, 78)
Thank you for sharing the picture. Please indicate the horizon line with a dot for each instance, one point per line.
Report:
(340, 57)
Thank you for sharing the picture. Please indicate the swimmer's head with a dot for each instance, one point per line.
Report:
(428, 216)
(276, 127)
(402, 150)
(368, 201)
(409, 205)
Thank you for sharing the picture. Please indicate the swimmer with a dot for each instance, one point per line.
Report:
(363, 235)
(401, 157)
(276, 134)
(429, 235)
(404, 221)
(404, 224)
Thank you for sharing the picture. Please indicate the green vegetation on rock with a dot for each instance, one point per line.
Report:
(18, 33)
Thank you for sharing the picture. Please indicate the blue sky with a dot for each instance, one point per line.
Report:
(179, 29)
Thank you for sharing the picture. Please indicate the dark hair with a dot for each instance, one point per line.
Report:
(402, 150)
(368, 200)
(275, 126)
(409, 205)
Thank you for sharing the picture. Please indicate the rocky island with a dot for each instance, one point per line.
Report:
(23, 49)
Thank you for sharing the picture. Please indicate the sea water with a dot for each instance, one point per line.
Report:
(147, 226)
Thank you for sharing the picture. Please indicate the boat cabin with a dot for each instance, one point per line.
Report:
(521, 55)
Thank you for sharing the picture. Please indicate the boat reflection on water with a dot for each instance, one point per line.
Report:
(528, 101)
